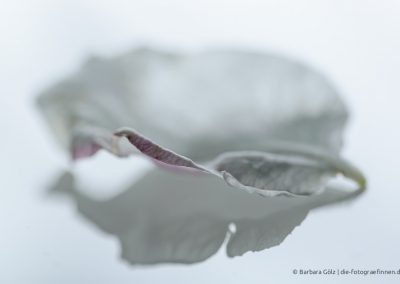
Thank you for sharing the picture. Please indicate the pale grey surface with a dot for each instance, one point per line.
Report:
(44, 241)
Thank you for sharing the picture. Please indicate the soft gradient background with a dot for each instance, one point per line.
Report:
(356, 43)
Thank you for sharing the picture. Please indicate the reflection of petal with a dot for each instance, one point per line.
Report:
(182, 240)
(170, 217)
(256, 235)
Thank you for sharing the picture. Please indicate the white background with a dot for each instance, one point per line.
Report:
(356, 43)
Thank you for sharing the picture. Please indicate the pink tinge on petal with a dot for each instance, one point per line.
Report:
(156, 152)
(84, 150)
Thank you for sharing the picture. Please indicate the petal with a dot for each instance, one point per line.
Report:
(180, 109)
(272, 174)
(199, 105)
(156, 152)
(289, 169)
